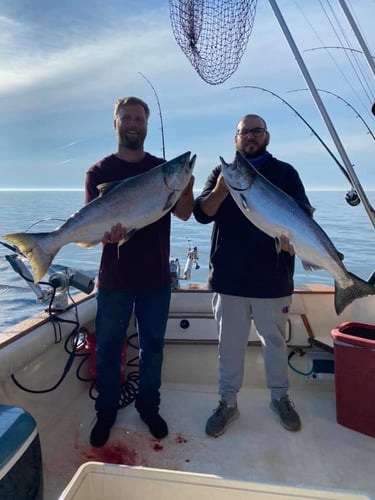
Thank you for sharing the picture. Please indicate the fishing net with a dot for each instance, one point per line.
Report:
(213, 34)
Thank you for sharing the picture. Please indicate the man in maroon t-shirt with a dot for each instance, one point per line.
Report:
(135, 276)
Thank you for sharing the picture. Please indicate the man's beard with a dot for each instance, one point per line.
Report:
(259, 152)
(133, 143)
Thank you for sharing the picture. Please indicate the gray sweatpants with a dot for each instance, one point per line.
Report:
(233, 316)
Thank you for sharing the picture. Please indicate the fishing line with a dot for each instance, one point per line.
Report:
(342, 168)
(43, 220)
(16, 250)
(347, 103)
(362, 81)
(344, 76)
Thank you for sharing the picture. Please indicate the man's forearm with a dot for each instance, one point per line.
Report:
(211, 203)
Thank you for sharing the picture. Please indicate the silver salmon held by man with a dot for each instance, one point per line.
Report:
(134, 203)
(277, 214)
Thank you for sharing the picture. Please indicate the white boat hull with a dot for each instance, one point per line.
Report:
(322, 456)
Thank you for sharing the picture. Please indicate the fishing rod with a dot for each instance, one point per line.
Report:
(318, 101)
(336, 47)
(358, 34)
(354, 61)
(352, 196)
(160, 114)
(347, 103)
(365, 84)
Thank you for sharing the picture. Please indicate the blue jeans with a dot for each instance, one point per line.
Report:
(114, 310)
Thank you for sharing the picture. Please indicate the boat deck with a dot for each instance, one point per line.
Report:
(323, 454)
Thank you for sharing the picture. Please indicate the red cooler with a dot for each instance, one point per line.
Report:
(354, 347)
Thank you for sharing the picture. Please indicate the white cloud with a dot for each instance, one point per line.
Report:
(60, 80)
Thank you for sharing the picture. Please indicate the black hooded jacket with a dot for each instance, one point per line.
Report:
(243, 259)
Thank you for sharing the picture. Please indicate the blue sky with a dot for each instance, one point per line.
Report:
(63, 64)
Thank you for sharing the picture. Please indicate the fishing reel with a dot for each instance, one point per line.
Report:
(60, 293)
(59, 281)
(352, 198)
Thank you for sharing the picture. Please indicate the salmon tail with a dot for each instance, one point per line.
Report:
(31, 245)
(345, 296)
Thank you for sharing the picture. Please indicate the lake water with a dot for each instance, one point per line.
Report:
(348, 227)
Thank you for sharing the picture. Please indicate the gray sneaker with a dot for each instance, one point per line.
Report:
(284, 408)
(221, 418)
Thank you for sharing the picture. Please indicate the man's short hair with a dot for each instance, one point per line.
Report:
(254, 116)
(124, 101)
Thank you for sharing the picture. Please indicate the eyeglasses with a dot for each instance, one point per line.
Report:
(257, 132)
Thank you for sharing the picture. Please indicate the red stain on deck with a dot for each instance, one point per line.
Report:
(158, 447)
(117, 452)
(114, 453)
(180, 439)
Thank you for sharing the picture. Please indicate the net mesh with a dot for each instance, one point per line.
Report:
(213, 34)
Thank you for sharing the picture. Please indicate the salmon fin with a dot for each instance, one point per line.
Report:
(244, 203)
(31, 246)
(308, 266)
(170, 203)
(341, 255)
(87, 244)
(106, 187)
(192, 161)
(306, 207)
(345, 296)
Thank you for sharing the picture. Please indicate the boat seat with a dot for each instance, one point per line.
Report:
(191, 319)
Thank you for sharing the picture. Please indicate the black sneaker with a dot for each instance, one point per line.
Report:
(101, 430)
(157, 425)
(223, 415)
(288, 416)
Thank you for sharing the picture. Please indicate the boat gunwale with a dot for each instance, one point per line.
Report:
(27, 326)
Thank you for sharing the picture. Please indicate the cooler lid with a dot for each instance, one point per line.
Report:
(17, 431)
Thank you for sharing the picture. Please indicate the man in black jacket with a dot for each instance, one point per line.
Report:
(250, 280)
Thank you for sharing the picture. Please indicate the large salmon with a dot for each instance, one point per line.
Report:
(277, 214)
(134, 203)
